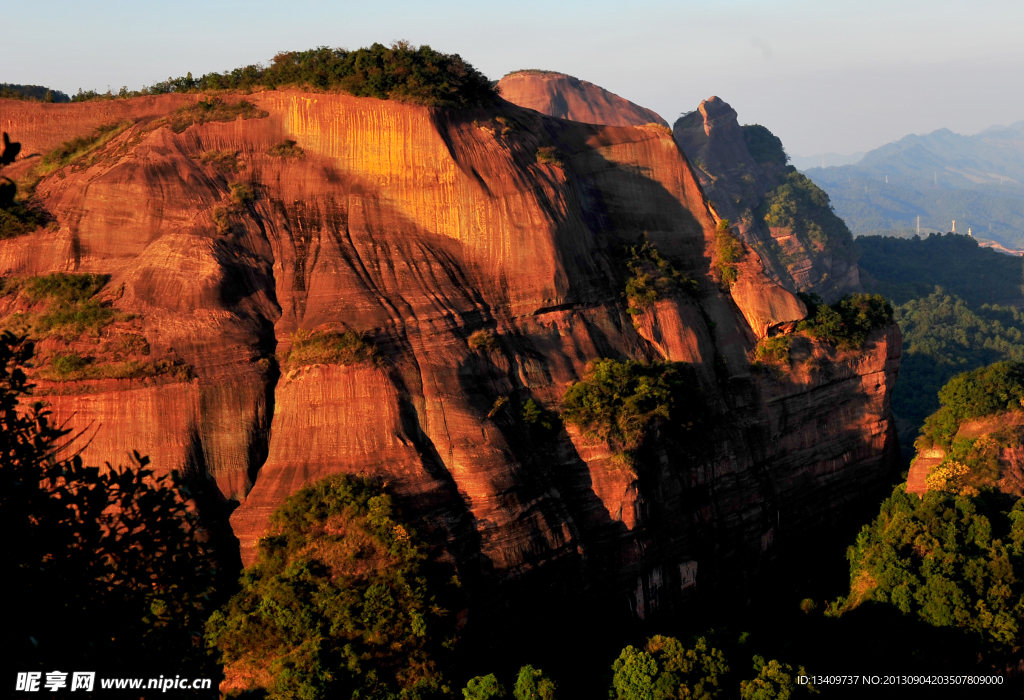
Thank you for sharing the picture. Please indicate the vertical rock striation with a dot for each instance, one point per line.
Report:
(415, 228)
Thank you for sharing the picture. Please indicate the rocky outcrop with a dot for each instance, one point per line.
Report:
(740, 167)
(416, 228)
(990, 451)
(566, 97)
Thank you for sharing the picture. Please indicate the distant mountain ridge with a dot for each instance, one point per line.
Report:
(976, 180)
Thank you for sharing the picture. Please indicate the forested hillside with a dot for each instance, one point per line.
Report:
(957, 306)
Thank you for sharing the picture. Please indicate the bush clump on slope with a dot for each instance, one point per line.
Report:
(805, 208)
(652, 277)
(728, 251)
(213, 110)
(70, 305)
(327, 348)
(622, 401)
(846, 323)
(339, 602)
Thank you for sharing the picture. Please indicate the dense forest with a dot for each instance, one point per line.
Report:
(956, 304)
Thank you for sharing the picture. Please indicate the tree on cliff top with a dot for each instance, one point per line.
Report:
(107, 566)
(340, 603)
(398, 72)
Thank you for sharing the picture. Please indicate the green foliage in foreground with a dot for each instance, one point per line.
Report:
(953, 561)
(484, 688)
(667, 670)
(904, 269)
(533, 684)
(339, 602)
(973, 394)
(652, 277)
(622, 401)
(107, 565)
(397, 72)
(846, 323)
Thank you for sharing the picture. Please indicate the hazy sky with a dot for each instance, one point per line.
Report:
(824, 76)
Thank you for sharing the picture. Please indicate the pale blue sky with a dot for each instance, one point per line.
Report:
(823, 75)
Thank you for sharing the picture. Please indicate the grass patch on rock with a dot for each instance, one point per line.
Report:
(287, 149)
(71, 366)
(77, 150)
(327, 348)
(225, 162)
(213, 110)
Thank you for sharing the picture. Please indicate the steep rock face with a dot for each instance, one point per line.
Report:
(740, 167)
(416, 228)
(566, 97)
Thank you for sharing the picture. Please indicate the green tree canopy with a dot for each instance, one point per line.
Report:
(397, 72)
(621, 401)
(695, 673)
(533, 684)
(108, 566)
(483, 688)
(774, 681)
(339, 602)
(953, 561)
(634, 672)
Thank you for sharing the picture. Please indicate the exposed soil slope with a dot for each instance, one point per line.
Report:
(416, 228)
(566, 97)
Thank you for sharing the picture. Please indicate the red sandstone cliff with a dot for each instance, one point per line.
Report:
(738, 177)
(566, 97)
(417, 227)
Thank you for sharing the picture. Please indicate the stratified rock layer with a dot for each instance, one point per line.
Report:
(416, 228)
(566, 97)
